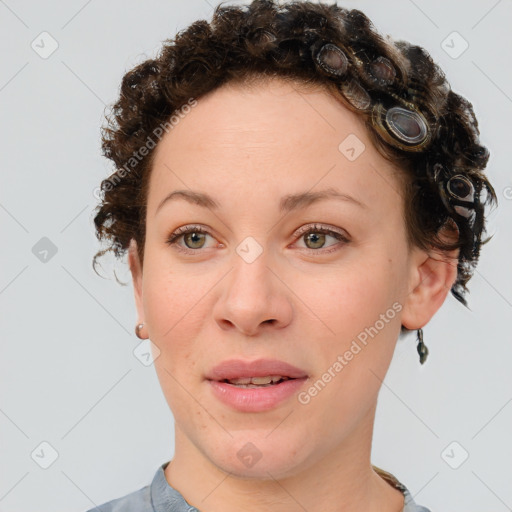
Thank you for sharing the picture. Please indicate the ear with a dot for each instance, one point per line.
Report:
(432, 276)
(136, 271)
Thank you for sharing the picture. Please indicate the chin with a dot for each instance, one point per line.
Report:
(259, 457)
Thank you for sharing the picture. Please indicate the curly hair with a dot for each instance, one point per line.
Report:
(263, 40)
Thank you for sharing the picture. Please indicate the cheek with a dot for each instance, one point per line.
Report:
(346, 301)
(173, 300)
(360, 323)
(173, 310)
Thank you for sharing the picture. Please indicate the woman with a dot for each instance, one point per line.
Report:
(294, 191)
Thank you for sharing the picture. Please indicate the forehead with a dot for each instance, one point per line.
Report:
(270, 135)
(274, 112)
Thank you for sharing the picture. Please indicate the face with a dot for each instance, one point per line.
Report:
(319, 284)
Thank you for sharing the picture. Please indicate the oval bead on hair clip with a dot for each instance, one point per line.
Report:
(461, 188)
(407, 125)
(460, 196)
(382, 70)
(355, 94)
(332, 59)
(401, 127)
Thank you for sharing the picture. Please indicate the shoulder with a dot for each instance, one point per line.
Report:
(158, 495)
(137, 501)
(409, 504)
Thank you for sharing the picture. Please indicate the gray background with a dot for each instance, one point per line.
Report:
(68, 373)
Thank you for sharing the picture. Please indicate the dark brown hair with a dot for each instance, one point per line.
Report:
(264, 40)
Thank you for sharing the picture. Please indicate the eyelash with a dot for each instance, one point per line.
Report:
(315, 228)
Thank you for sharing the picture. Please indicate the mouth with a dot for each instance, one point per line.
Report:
(260, 372)
(255, 386)
(257, 382)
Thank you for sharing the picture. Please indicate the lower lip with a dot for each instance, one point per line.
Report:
(255, 399)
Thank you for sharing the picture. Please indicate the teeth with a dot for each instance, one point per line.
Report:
(258, 380)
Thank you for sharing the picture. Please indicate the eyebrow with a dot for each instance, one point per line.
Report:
(287, 203)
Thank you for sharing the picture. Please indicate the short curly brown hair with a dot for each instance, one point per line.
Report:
(264, 40)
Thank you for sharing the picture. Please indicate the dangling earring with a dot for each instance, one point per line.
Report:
(422, 348)
(138, 327)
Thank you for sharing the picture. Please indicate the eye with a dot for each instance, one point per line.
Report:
(316, 236)
(193, 236)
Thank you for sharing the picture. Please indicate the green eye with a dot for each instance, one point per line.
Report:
(192, 234)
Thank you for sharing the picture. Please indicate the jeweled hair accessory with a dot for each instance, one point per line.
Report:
(459, 194)
(405, 128)
(382, 71)
(400, 124)
(332, 59)
(353, 91)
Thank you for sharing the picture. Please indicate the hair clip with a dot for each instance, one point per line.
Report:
(332, 59)
(355, 94)
(382, 71)
(458, 195)
(406, 125)
(401, 127)
(457, 192)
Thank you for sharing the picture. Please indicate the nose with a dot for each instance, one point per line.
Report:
(254, 299)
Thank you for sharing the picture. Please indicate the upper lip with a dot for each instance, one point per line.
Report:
(236, 368)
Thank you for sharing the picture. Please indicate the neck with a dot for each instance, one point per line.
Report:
(341, 480)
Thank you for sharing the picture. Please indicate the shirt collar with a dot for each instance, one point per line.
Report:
(165, 498)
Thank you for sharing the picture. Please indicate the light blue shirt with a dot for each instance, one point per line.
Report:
(159, 496)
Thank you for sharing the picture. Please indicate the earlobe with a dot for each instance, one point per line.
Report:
(432, 277)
